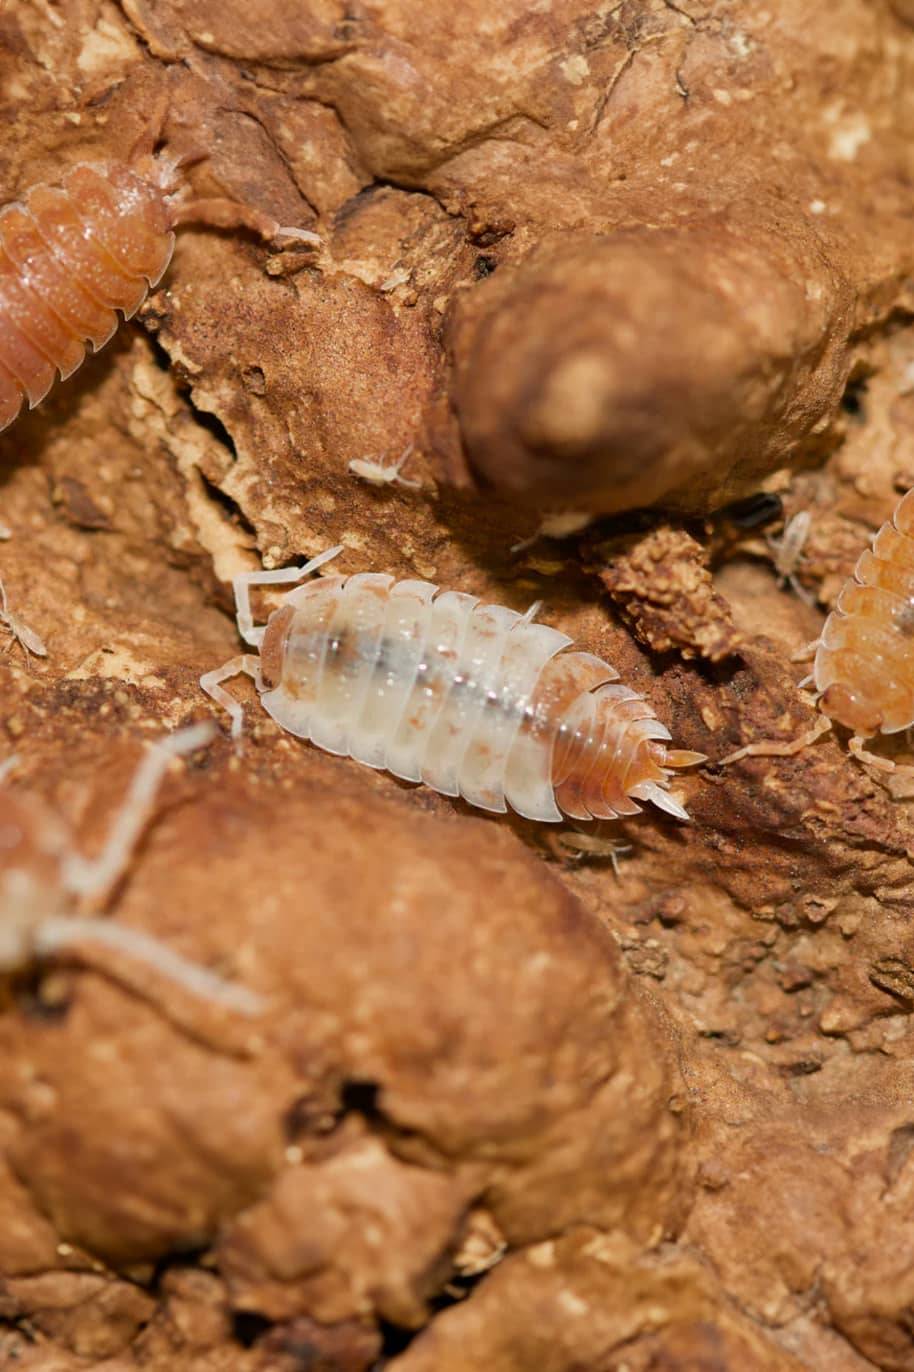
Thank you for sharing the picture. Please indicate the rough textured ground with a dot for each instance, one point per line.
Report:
(504, 1108)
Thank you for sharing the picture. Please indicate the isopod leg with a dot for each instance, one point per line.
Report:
(281, 576)
(91, 878)
(399, 465)
(222, 213)
(57, 934)
(862, 754)
(774, 748)
(806, 653)
(898, 778)
(211, 684)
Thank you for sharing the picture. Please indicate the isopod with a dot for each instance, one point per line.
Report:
(384, 474)
(473, 700)
(45, 884)
(28, 640)
(74, 254)
(864, 663)
(788, 553)
(864, 657)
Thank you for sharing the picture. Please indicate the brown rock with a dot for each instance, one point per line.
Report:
(573, 385)
(502, 1110)
(360, 1231)
(94, 1316)
(590, 1301)
(428, 1061)
(664, 589)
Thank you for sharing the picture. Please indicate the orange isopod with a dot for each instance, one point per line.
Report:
(74, 254)
(864, 665)
(472, 700)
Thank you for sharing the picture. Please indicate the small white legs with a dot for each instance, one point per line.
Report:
(253, 633)
(282, 576)
(21, 633)
(91, 878)
(211, 684)
(60, 932)
(39, 920)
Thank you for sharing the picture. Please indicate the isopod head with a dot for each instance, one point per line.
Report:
(130, 215)
(845, 705)
(273, 648)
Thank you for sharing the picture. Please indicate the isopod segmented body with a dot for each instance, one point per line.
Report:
(74, 254)
(473, 700)
(864, 665)
(70, 256)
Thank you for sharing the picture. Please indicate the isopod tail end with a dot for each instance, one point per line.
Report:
(682, 757)
(664, 801)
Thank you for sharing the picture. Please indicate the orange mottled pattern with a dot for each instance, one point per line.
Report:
(70, 257)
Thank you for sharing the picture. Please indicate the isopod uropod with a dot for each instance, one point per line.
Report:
(473, 700)
(73, 254)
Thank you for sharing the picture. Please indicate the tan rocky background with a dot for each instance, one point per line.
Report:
(505, 1109)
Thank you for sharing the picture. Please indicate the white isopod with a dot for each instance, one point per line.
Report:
(384, 474)
(473, 700)
(19, 631)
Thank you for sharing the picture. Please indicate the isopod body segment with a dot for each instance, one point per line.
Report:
(74, 254)
(864, 664)
(70, 257)
(473, 700)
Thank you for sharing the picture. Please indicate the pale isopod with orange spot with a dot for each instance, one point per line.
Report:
(473, 700)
